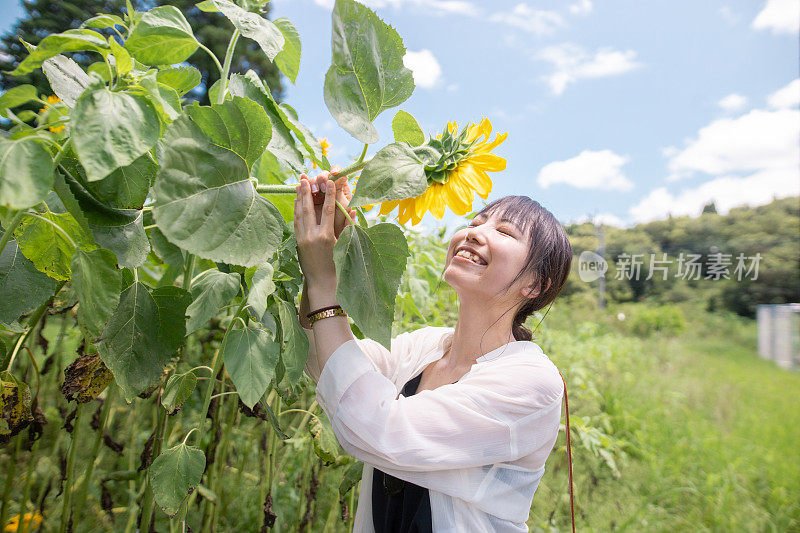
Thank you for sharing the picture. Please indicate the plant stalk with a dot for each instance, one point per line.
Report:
(32, 322)
(94, 457)
(10, 229)
(226, 68)
(12, 466)
(66, 509)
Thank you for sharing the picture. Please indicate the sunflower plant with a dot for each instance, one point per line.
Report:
(166, 227)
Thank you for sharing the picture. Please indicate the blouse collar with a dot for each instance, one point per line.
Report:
(506, 349)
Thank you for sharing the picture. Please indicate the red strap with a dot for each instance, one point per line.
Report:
(569, 457)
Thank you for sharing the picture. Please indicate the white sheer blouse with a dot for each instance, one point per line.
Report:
(479, 445)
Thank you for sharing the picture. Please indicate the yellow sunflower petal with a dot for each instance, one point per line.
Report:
(437, 201)
(492, 145)
(488, 162)
(386, 207)
(404, 213)
(476, 179)
(486, 128)
(421, 204)
(473, 132)
(458, 204)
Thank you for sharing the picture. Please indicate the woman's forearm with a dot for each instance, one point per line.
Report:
(332, 332)
(304, 307)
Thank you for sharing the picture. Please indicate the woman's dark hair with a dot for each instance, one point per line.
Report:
(549, 256)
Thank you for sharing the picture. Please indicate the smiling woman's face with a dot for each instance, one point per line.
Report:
(503, 248)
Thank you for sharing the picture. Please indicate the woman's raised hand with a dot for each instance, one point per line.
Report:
(318, 223)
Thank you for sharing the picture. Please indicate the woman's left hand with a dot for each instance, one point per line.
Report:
(315, 240)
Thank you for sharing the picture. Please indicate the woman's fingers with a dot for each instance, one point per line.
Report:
(329, 207)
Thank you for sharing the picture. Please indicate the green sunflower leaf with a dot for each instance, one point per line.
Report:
(369, 265)
(162, 37)
(174, 474)
(250, 357)
(394, 173)
(205, 202)
(367, 74)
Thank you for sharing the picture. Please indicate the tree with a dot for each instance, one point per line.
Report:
(710, 207)
(43, 17)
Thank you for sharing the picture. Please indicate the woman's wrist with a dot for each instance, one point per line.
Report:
(321, 295)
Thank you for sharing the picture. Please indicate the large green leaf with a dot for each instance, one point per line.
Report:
(23, 288)
(288, 60)
(282, 158)
(16, 96)
(259, 280)
(406, 129)
(174, 474)
(162, 37)
(111, 130)
(183, 79)
(137, 341)
(127, 187)
(48, 248)
(118, 230)
(178, 389)
(66, 77)
(367, 73)
(295, 341)
(253, 26)
(172, 303)
(97, 282)
(205, 202)
(394, 173)
(56, 43)
(240, 125)
(26, 172)
(250, 357)
(369, 265)
(307, 140)
(209, 293)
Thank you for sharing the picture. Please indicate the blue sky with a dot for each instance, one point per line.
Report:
(623, 110)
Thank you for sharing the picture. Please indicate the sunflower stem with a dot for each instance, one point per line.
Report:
(346, 214)
(363, 153)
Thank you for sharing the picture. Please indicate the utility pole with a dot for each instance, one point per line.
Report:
(601, 249)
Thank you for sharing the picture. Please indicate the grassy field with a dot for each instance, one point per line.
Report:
(708, 432)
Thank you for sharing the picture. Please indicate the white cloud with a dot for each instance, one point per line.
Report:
(600, 169)
(779, 16)
(733, 102)
(606, 219)
(788, 96)
(758, 140)
(583, 7)
(537, 21)
(752, 159)
(426, 69)
(726, 192)
(573, 63)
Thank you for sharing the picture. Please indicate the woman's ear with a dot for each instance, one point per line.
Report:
(532, 290)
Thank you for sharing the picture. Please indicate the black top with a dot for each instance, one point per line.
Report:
(400, 506)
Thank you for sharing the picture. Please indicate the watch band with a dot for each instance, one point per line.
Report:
(326, 312)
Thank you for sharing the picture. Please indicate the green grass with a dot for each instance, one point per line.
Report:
(711, 429)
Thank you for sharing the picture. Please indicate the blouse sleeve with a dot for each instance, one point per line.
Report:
(383, 361)
(426, 438)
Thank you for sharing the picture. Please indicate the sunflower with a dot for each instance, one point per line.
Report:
(325, 145)
(456, 166)
(52, 100)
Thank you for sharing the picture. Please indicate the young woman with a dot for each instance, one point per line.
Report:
(454, 424)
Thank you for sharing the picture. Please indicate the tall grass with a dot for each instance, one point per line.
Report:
(710, 431)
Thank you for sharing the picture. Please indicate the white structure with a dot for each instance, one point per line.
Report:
(779, 334)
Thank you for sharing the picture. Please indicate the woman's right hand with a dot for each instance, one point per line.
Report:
(343, 196)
